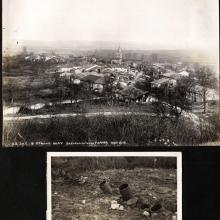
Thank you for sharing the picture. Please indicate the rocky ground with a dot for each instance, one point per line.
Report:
(73, 200)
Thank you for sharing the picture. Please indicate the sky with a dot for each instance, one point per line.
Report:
(172, 24)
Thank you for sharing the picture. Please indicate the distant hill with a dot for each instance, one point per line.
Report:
(106, 47)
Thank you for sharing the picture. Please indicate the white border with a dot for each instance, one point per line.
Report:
(178, 155)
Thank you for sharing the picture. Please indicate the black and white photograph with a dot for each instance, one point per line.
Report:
(114, 185)
(110, 72)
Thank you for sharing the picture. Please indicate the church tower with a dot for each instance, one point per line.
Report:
(119, 55)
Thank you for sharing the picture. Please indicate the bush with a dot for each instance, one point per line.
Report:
(71, 166)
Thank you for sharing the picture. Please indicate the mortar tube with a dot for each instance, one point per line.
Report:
(125, 192)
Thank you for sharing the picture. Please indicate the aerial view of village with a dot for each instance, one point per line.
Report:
(109, 92)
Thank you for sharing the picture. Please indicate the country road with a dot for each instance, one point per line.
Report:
(190, 116)
(29, 117)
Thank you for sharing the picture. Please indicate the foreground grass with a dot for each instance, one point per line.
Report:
(129, 129)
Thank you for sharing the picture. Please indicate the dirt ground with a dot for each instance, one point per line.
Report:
(71, 200)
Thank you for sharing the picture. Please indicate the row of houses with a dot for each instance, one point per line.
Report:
(122, 81)
(169, 80)
(43, 58)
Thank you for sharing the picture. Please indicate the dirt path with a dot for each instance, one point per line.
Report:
(87, 201)
(30, 117)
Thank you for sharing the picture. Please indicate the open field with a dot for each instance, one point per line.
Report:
(73, 201)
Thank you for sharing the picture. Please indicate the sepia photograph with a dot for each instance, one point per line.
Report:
(114, 185)
(110, 73)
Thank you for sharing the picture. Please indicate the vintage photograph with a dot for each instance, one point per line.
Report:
(110, 72)
(114, 185)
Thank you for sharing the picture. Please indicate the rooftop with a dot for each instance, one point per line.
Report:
(161, 81)
(174, 75)
(97, 79)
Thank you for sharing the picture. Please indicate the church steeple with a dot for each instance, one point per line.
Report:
(119, 54)
(119, 49)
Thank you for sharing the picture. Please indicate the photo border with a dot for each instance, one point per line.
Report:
(178, 155)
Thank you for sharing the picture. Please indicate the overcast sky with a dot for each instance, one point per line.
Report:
(164, 23)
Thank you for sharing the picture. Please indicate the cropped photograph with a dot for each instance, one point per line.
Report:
(99, 187)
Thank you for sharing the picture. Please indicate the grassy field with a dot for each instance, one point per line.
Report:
(26, 89)
(73, 201)
(129, 129)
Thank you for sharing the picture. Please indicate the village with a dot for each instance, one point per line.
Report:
(48, 85)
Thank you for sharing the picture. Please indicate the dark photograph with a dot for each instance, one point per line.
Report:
(114, 187)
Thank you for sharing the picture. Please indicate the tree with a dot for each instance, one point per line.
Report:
(219, 98)
(58, 87)
(206, 80)
(178, 97)
(73, 88)
(8, 90)
(175, 99)
(109, 85)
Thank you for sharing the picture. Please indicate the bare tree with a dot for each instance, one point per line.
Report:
(206, 80)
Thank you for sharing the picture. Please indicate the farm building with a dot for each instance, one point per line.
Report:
(94, 81)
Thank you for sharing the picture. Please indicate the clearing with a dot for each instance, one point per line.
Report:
(71, 200)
